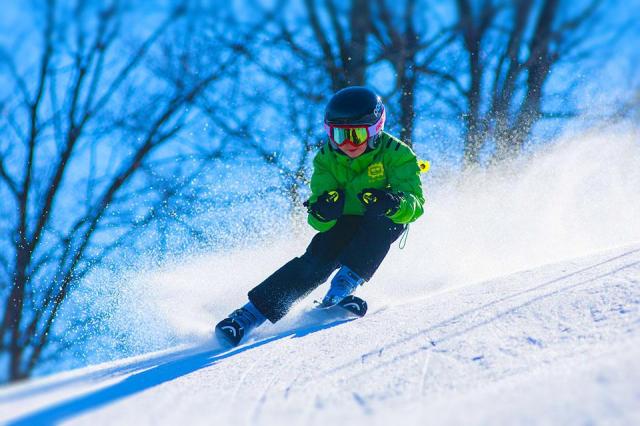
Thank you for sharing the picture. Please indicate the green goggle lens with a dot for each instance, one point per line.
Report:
(357, 135)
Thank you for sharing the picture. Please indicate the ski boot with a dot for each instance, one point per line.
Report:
(342, 285)
(232, 329)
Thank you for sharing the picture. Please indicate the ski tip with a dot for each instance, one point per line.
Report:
(322, 305)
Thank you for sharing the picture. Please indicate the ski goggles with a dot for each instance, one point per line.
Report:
(355, 135)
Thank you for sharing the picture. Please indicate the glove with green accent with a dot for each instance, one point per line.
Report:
(328, 206)
(380, 202)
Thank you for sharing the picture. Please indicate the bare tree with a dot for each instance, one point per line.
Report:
(342, 40)
(511, 49)
(412, 48)
(91, 154)
(292, 90)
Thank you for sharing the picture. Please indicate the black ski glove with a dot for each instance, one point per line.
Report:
(328, 206)
(380, 202)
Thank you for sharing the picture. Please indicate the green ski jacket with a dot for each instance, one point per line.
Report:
(391, 165)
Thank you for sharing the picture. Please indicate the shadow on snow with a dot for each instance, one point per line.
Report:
(162, 373)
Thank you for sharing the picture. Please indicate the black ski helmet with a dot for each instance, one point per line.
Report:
(356, 105)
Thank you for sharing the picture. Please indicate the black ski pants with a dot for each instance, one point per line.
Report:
(358, 242)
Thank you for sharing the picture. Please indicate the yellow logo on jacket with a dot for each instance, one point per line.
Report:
(376, 171)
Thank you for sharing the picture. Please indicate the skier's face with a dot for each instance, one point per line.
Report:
(351, 150)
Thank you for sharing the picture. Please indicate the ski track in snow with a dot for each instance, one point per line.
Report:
(558, 344)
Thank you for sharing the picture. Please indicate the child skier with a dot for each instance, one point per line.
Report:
(365, 188)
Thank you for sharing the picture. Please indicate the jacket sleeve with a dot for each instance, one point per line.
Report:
(404, 176)
(322, 180)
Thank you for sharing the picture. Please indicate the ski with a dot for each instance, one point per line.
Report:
(352, 304)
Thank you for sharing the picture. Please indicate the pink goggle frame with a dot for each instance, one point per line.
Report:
(341, 134)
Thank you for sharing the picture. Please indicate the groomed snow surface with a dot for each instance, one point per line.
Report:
(559, 344)
(516, 301)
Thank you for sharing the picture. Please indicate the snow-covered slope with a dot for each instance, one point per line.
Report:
(556, 344)
(455, 334)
